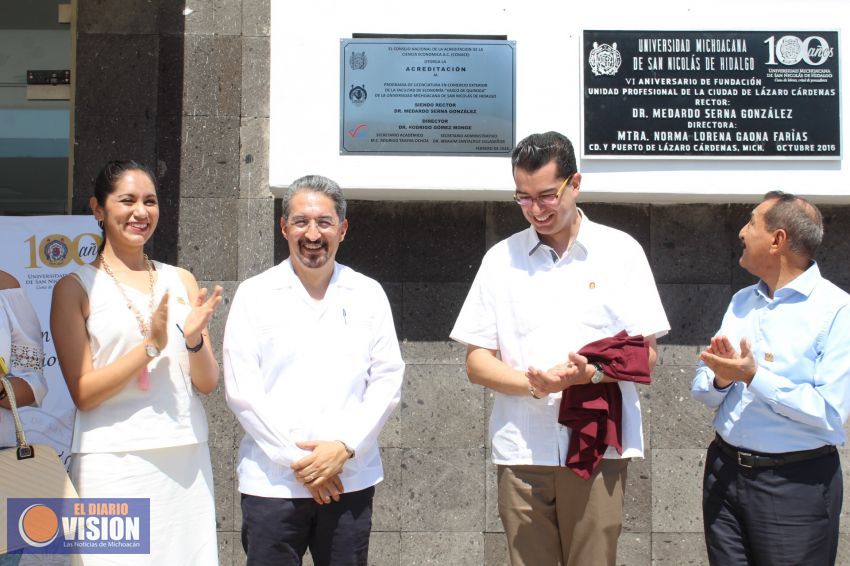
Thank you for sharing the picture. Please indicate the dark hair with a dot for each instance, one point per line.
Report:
(316, 184)
(107, 180)
(801, 220)
(537, 150)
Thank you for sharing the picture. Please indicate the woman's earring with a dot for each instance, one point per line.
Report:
(100, 224)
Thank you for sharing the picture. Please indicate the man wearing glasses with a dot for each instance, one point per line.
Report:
(312, 370)
(539, 296)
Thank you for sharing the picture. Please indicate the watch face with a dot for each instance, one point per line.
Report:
(151, 350)
(597, 376)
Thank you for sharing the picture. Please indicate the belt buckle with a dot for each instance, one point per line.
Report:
(745, 455)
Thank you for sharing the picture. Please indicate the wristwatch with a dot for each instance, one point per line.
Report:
(151, 350)
(348, 449)
(597, 375)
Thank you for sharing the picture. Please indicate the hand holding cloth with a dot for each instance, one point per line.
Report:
(594, 411)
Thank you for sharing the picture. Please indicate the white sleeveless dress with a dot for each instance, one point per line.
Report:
(147, 443)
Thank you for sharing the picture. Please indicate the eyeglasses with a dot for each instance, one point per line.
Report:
(543, 200)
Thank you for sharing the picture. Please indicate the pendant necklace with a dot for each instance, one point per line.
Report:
(144, 326)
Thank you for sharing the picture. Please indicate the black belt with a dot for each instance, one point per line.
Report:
(749, 459)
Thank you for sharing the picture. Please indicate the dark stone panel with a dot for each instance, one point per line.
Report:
(256, 18)
(214, 17)
(163, 245)
(430, 309)
(170, 68)
(502, 220)
(256, 69)
(694, 311)
(676, 549)
(171, 18)
(256, 236)
(281, 250)
(689, 245)
(442, 409)
(210, 157)
(386, 509)
(98, 139)
(167, 168)
(119, 76)
(443, 490)
(374, 243)
(835, 250)
(442, 241)
(216, 330)
(677, 420)
(630, 218)
(127, 17)
(208, 235)
(465, 548)
(212, 80)
(254, 158)
(637, 503)
(395, 295)
(736, 216)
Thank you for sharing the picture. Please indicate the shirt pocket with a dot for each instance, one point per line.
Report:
(597, 308)
(354, 338)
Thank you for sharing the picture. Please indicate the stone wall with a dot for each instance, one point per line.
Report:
(185, 88)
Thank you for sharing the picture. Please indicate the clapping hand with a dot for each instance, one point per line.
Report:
(159, 323)
(727, 364)
(199, 316)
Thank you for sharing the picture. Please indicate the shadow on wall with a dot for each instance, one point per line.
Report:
(129, 103)
(426, 254)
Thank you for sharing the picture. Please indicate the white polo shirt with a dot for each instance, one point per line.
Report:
(535, 308)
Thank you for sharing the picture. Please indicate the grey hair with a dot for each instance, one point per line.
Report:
(801, 220)
(316, 184)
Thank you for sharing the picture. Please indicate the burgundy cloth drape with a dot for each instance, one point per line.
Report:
(594, 412)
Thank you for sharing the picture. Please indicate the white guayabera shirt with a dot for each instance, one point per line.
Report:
(296, 369)
(535, 308)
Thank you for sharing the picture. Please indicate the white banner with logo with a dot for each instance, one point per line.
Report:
(38, 251)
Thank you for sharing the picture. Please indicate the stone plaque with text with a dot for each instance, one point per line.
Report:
(427, 96)
(711, 94)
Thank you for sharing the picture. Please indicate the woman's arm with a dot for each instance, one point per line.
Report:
(203, 368)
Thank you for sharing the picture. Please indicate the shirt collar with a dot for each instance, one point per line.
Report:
(584, 234)
(285, 276)
(803, 284)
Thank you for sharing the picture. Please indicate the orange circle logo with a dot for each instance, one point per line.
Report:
(38, 525)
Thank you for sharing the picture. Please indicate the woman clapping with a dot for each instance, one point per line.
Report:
(131, 338)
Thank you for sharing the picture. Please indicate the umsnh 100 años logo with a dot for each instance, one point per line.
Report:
(78, 526)
(58, 250)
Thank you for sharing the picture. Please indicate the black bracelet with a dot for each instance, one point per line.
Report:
(195, 349)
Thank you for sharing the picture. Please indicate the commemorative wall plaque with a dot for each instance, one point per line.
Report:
(427, 96)
(711, 94)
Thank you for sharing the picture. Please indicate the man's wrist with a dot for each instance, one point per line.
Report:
(348, 449)
(596, 373)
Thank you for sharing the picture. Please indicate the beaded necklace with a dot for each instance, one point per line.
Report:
(144, 325)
